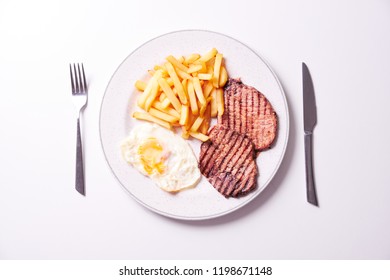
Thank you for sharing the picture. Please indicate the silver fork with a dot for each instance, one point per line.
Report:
(80, 99)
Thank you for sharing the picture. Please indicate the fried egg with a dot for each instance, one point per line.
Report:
(161, 155)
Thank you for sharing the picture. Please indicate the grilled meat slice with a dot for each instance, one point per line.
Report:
(249, 112)
(227, 160)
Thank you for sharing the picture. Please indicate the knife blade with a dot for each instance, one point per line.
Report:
(309, 122)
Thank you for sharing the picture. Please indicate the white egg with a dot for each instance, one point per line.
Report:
(161, 155)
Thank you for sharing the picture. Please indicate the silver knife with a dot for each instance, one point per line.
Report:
(309, 122)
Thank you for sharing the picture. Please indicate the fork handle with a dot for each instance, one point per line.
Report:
(79, 162)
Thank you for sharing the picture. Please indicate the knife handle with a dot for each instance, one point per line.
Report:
(310, 186)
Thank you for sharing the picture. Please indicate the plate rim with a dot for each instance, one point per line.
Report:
(277, 166)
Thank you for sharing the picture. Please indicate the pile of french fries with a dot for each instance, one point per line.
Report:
(184, 91)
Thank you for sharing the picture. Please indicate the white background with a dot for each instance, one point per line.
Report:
(346, 46)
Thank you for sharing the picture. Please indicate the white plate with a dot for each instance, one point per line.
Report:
(202, 202)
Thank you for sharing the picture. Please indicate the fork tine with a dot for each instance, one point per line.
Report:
(81, 78)
(71, 79)
(84, 81)
(77, 83)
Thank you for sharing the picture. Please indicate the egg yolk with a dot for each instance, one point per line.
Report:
(152, 156)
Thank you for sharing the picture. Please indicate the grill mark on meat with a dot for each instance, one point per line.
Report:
(230, 98)
(258, 122)
(231, 141)
(264, 115)
(240, 157)
(233, 151)
(248, 126)
(220, 136)
(219, 179)
(226, 183)
(221, 159)
(237, 107)
(249, 186)
(244, 119)
(240, 171)
(251, 168)
(209, 159)
(207, 149)
(229, 185)
(250, 183)
(255, 129)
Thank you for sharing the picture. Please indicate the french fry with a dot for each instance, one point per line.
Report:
(210, 63)
(162, 68)
(207, 119)
(191, 58)
(191, 119)
(207, 88)
(223, 77)
(177, 64)
(204, 106)
(140, 85)
(220, 102)
(209, 55)
(185, 110)
(184, 133)
(163, 116)
(170, 94)
(195, 126)
(169, 81)
(165, 103)
(147, 117)
(185, 87)
(143, 97)
(217, 69)
(152, 96)
(194, 68)
(198, 90)
(213, 103)
(201, 70)
(169, 110)
(202, 137)
(204, 76)
(181, 59)
(192, 97)
(210, 68)
(162, 97)
(183, 75)
(176, 83)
